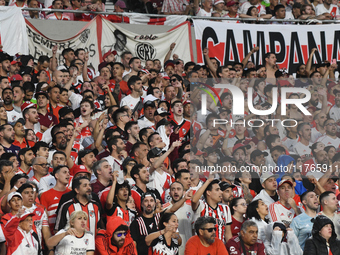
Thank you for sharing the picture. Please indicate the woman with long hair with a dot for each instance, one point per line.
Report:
(257, 211)
(74, 239)
(238, 208)
(166, 239)
(127, 166)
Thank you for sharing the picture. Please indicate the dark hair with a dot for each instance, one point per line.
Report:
(125, 162)
(39, 145)
(209, 188)
(22, 152)
(7, 155)
(117, 113)
(164, 219)
(129, 125)
(150, 137)
(76, 52)
(278, 148)
(135, 147)
(132, 59)
(251, 210)
(17, 177)
(121, 228)
(250, 9)
(113, 141)
(125, 184)
(178, 175)
(325, 195)
(58, 168)
(76, 182)
(278, 7)
(25, 186)
(202, 221)
(142, 132)
(234, 203)
(188, 64)
(43, 58)
(177, 161)
(304, 194)
(66, 51)
(270, 139)
(135, 170)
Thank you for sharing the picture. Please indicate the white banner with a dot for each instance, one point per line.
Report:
(13, 36)
(292, 44)
(148, 46)
(86, 38)
(108, 35)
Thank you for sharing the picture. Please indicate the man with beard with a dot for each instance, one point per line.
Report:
(7, 137)
(330, 138)
(5, 64)
(116, 147)
(334, 112)
(212, 207)
(136, 87)
(184, 214)
(246, 242)
(26, 156)
(227, 194)
(148, 119)
(87, 158)
(46, 119)
(205, 242)
(147, 223)
(132, 130)
(31, 117)
(141, 176)
(59, 143)
(54, 95)
(270, 62)
(136, 66)
(81, 201)
(302, 148)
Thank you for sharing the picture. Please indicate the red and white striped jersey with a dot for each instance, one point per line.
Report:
(221, 213)
(278, 212)
(50, 199)
(92, 209)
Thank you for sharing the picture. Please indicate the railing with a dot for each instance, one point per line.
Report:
(124, 14)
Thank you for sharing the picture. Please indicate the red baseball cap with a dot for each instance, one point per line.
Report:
(109, 53)
(16, 77)
(16, 62)
(81, 169)
(240, 146)
(27, 104)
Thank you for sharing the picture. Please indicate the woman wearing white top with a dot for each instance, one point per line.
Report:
(257, 211)
(74, 239)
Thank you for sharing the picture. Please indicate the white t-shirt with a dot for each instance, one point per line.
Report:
(13, 116)
(75, 245)
(202, 13)
(303, 151)
(321, 9)
(130, 101)
(289, 143)
(334, 113)
(315, 135)
(144, 122)
(327, 141)
(279, 212)
(46, 183)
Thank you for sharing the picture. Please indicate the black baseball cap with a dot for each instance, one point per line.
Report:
(164, 122)
(64, 111)
(154, 152)
(257, 153)
(5, 56)
(225, 185)
(149, 103)
(41, 93)
(83, 153)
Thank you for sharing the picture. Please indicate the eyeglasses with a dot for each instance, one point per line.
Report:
(120, 234)
(243, 204)
(173, 80)
(81, 64)
(131, 164)
(210, 229)
(331, 124)
(43, 165)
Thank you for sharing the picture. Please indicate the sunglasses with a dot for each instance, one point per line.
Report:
(173, 80)
(131, 164)
(210, 229)
(120, 234)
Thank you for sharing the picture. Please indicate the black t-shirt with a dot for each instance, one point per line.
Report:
(160, 247)
(141, 227)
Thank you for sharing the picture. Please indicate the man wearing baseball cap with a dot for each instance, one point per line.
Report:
(285, 209)
(148, 119)
(257, 158)
(227, 194)
(239, 153)
(268, 194)
(5, 64)
(219, 6)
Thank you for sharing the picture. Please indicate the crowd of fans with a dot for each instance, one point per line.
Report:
(313, 11)
(119, 159)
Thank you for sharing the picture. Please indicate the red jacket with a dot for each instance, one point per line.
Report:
(103, 240)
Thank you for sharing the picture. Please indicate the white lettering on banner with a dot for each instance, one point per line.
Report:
(292, 44)
(113, 37)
